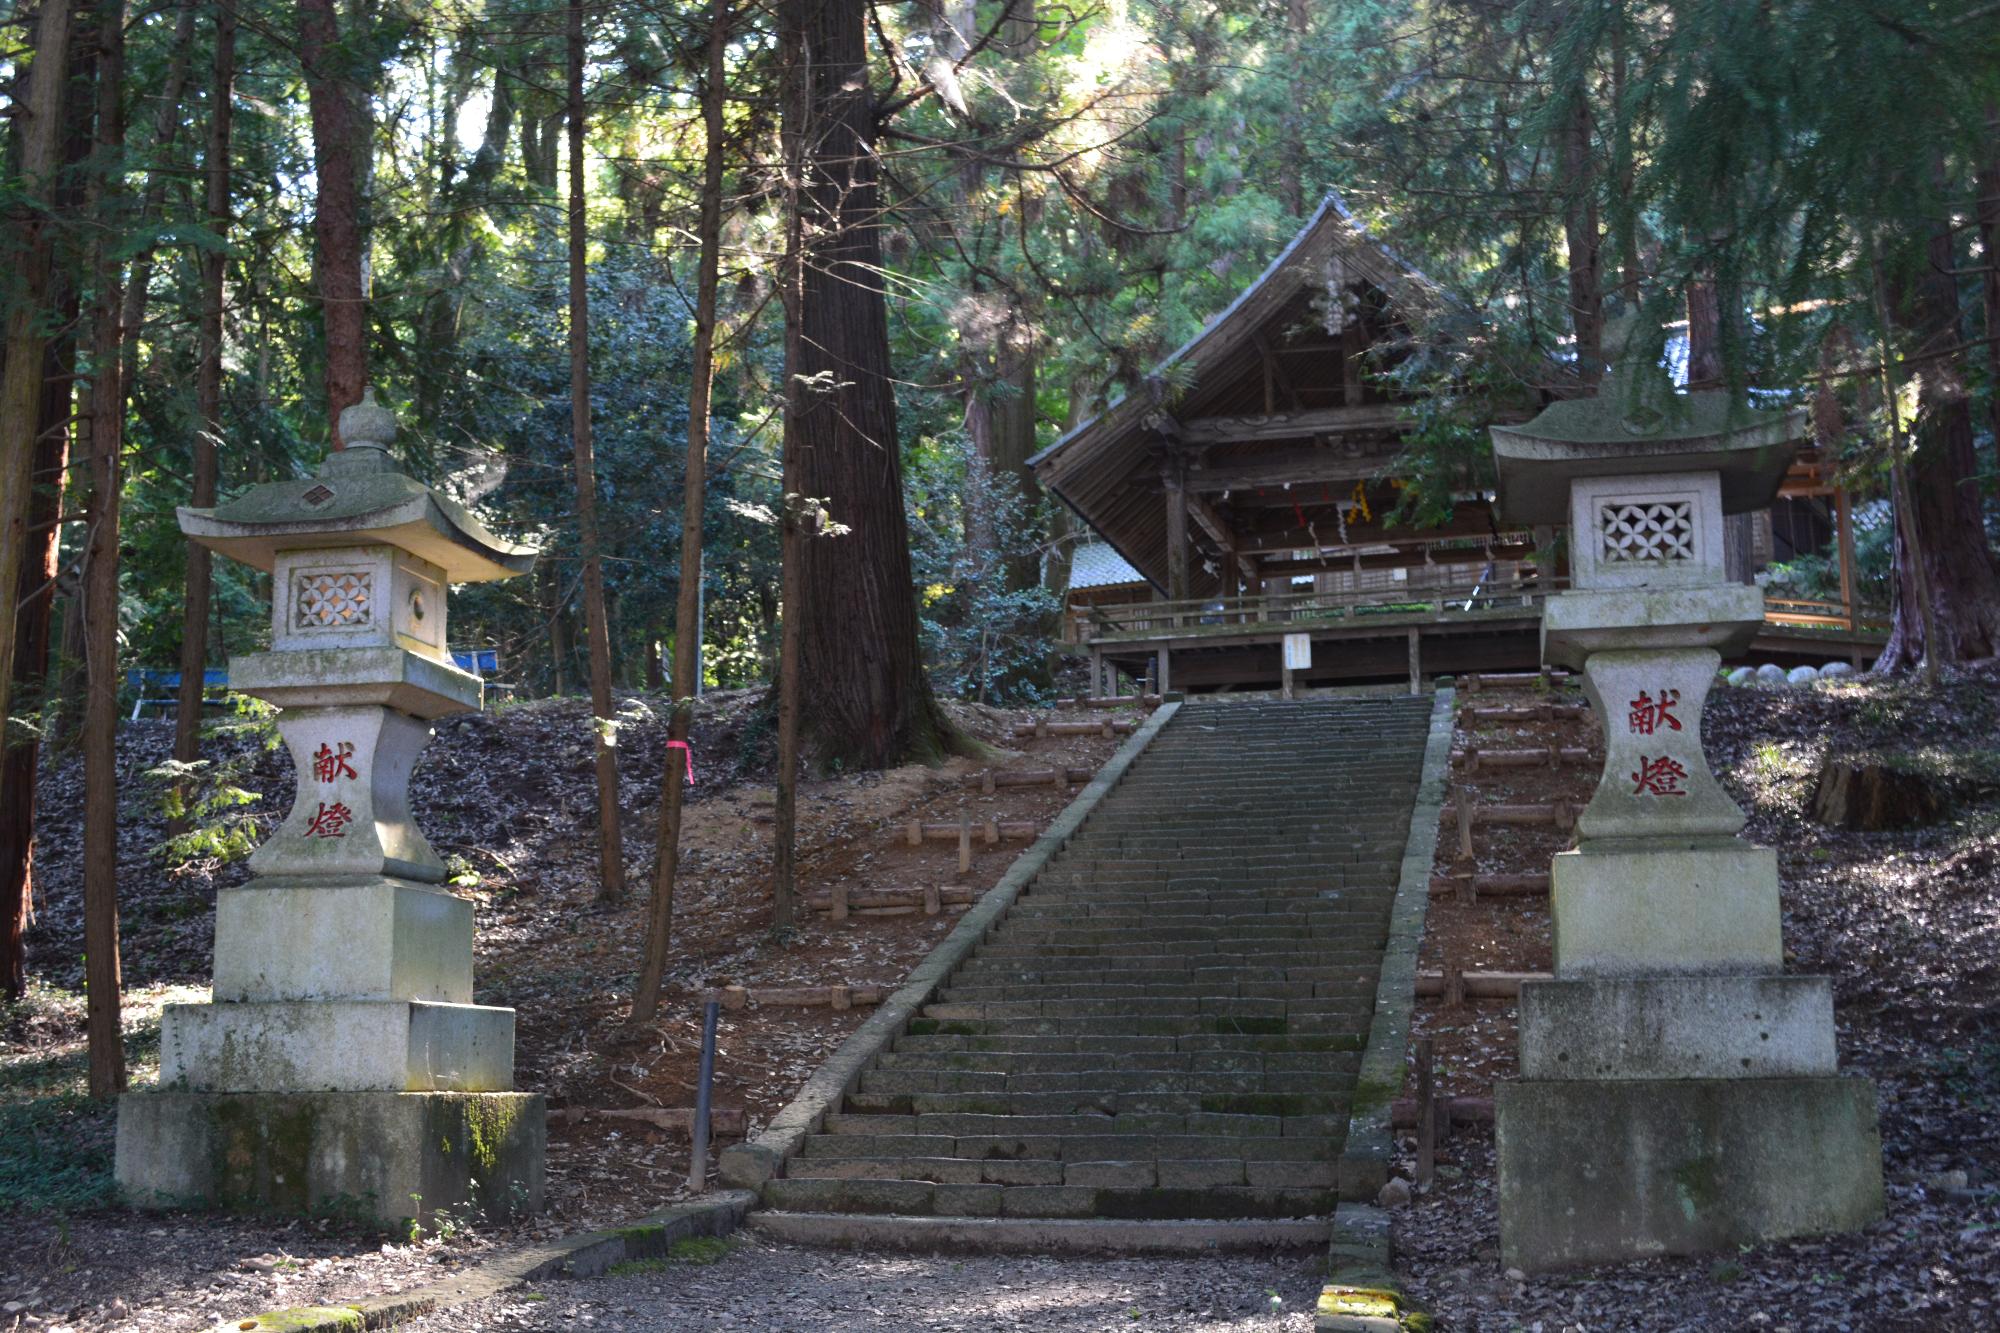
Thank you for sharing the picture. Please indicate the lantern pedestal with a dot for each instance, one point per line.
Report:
(1677, 1091)
(342, 1064)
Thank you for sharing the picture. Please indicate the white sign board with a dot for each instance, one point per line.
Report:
(1298, 652)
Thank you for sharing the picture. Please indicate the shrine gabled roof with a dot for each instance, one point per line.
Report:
(1106, 469)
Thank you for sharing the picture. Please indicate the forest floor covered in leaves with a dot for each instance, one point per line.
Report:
(1906, 922)
(509, 798)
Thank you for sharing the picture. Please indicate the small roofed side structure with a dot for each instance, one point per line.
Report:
(1099, 577)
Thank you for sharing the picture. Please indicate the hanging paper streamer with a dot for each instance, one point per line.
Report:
(682, 746)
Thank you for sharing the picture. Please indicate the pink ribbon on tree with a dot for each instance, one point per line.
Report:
(682, 746)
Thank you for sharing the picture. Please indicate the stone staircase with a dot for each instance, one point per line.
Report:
(1168, 1023)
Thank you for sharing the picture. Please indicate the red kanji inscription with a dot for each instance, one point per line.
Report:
(1649, 715)
(331, 821)
(329, 763)
(1658, 777)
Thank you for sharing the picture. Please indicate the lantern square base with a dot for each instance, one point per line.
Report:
(285, 937)
(1677, 1028)
(1662, 906)
(337, 1046)
(1602, 1172)
(385, 1157)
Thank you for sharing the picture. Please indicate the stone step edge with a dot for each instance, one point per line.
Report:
(1359, 1259)
(749, 1164)
(1037, 1235)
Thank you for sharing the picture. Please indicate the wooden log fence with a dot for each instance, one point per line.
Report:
(1560, 815)
(1120, 701)
(988, 780)
(1472, 759)
(1456, 987)
(990, 831)
(930, 900)
(1043, 728)
(835, 997)
(1403, 1112)
(1475, 681)
(674, 1119)
(1468, 887)
(1544, 712)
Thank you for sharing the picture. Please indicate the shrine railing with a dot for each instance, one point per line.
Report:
(1805, 613)
(1221, 614)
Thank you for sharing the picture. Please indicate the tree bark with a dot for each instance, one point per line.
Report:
(1988, 185)
(28, 253)
(207, 391)
(687, 612)
(1959, 571)
(103, 984)
(1585, 241)
(33, 621)
(340, 137)
(35, 600)
(1292, 154)
(597, 630)
(863, 685)
(1707, 310)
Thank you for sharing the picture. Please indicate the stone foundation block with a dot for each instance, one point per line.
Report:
(1655, 907)
(1601, 1172)
(380, 1156)
(370, 938)
(1677, 1028)
(346, 1046)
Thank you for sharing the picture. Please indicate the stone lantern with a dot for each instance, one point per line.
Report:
(342, 1064)
(1678, 1091)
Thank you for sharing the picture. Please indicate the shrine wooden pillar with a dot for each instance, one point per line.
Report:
(1177, 533)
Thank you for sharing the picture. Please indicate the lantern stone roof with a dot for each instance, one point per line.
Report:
(1638, 423)
(359, 497)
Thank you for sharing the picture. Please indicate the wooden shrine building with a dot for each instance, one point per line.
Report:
(1249, 483)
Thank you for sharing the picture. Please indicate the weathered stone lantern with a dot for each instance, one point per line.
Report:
(1677, 1091)
(342, 1064)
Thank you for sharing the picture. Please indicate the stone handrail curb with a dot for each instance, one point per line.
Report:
(748, 1165)
(1361, 1294)
(1370, 1141)
(587, 1255)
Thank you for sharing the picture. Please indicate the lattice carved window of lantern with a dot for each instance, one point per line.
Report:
(1646, 532)
(333, 599)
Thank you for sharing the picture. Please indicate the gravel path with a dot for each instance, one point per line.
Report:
(759, 1286)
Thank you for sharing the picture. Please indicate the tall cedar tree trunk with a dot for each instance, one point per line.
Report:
(1707, 306)
(1585, 241)
(795, 116)
(35, 593)
(26, 249)
(103, 984)
(340, 137)
(1292, 158)
(1988, 185)
(36, 601)
(862, 677)
(207, 389)
(687, 613)
(610, 839)
(1960, 571)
